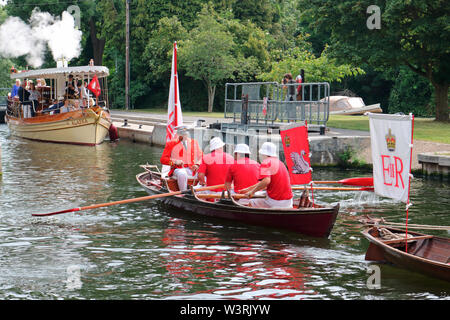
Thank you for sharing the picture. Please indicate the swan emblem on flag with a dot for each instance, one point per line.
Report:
(300, 165)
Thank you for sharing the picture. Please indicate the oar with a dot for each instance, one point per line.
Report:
(156, 196)
(219, 195)
(364, 181)
(335, 188)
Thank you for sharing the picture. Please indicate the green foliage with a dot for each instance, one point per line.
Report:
(413, 33)
(207, 54)
(317, 69)
(411, 93)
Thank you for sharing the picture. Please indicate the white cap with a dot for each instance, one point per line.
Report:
(268, 149)
(242, 148)
(215, 143)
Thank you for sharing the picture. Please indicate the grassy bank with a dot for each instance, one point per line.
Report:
(424, 128)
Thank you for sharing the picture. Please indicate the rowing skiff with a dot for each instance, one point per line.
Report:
(305, 218)
(426, 253)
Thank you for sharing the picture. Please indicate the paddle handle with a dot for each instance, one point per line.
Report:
(156, 196)
(363, 181)
(334, 188)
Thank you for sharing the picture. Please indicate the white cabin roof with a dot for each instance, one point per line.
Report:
(54, 73)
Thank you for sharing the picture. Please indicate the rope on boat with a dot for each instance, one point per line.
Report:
(380, 222)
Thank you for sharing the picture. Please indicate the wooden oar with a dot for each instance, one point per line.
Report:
(156, 196)
(334, 188)
(364, 181)
(219, 195)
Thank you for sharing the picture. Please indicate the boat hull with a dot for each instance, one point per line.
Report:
(83, 127)
(315, 222)
(427, 256)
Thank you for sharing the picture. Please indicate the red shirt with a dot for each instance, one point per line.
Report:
(215, 166)
(175, 150)
(279, 187)
(243, 173)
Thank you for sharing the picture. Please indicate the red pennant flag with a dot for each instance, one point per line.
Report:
(296, 150)
(94, 86)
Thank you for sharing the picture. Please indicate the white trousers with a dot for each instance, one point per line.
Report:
(182, 175)
(268, 202)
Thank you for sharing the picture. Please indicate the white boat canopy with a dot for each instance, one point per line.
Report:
(54, 73)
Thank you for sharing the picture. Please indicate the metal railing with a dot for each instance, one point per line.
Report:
(270, 102)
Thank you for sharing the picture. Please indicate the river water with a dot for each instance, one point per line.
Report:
(147, 251)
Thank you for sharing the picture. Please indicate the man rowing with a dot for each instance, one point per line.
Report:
(275, 177)
(215, 165)
(244, 172)
(183, 155)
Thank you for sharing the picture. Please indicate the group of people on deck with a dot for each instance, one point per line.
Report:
(76, 96)
(238, 173)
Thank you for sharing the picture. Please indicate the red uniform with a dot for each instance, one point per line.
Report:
(175, 150)
(279, 187)
(215, 166)
(243, 173)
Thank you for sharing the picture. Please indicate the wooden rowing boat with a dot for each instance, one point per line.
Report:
(426, 254)
(305, 218)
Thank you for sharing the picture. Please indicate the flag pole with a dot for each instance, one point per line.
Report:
(409, 183)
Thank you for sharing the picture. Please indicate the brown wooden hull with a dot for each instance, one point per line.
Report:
(428, 254)
(315, 222)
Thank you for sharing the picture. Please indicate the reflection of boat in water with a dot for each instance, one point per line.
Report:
(86, 122)
(305, 218)
(426, 254)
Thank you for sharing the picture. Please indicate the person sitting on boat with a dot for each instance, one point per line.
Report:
(15, 89)
(54, 108)
(275, 177)
(244, 172)
(24, 97)
(183, 155)
(67, 107)
(215, 165)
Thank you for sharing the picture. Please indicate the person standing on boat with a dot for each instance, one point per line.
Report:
(214, 167)
(15, 89)
(24, 97)
(183, 155)
(275, 177)
(70, 88)
(244, 172)
(34, 96)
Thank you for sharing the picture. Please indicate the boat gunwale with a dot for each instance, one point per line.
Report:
(252, 210)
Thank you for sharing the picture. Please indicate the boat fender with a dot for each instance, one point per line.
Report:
(113, 133)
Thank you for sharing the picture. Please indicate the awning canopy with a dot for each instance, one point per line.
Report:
(54, 73)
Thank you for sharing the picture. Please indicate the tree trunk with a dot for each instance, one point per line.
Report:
(442, 110)
(211, 93)
(98, 45)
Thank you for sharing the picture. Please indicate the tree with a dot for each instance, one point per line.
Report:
(207, 54)
(317, 69)
(412, 33)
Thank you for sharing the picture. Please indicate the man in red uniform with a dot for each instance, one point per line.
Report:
(215, 165)
(244, 172)
(183, 155)
(275, 177)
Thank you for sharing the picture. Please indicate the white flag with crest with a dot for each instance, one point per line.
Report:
(391, 139)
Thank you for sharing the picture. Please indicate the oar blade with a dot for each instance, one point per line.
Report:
(361, 182)
(56, 212)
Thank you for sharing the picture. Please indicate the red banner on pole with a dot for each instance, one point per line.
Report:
(296, 151)
(94, 86)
